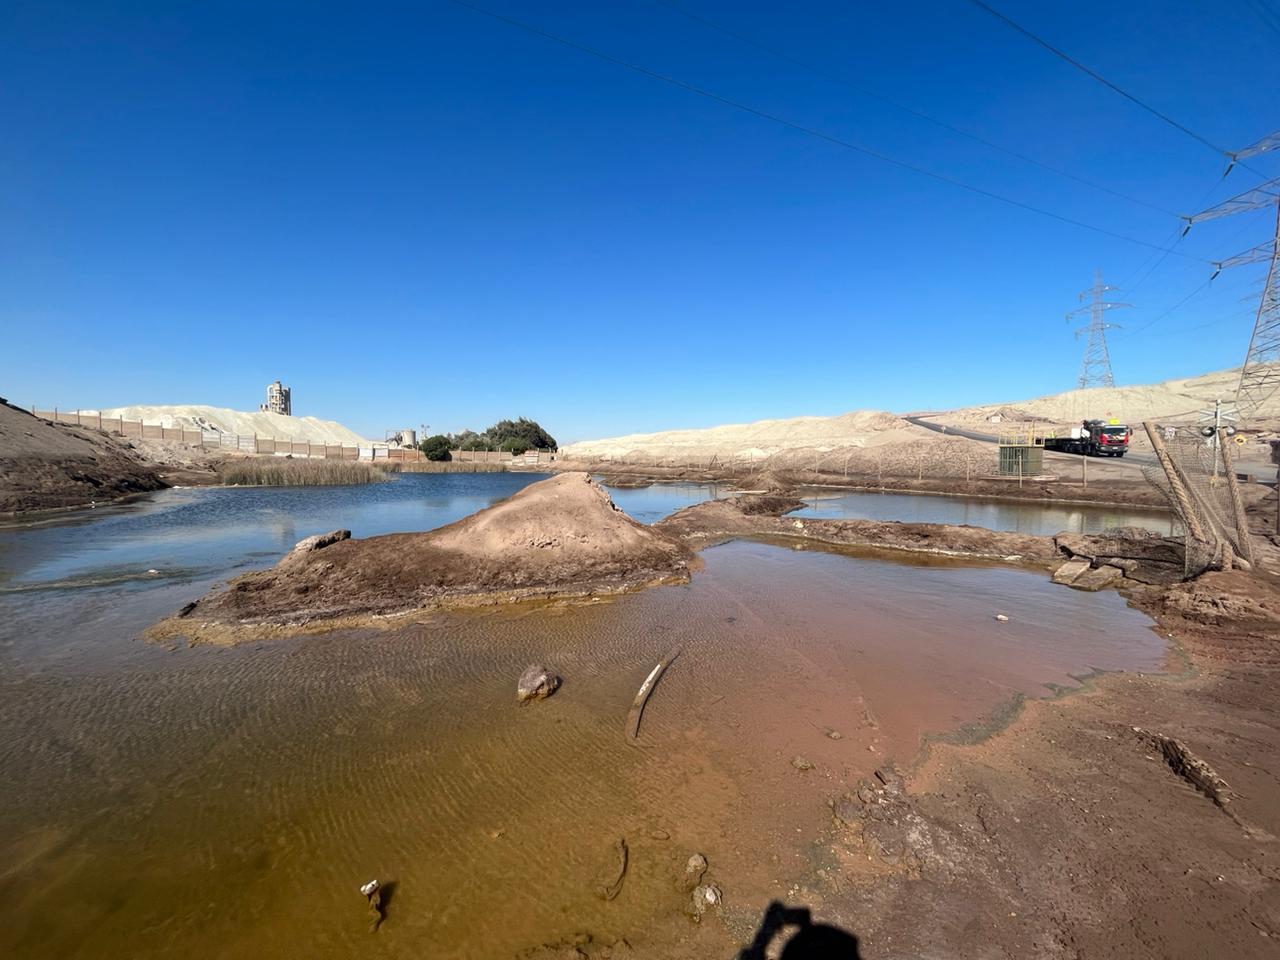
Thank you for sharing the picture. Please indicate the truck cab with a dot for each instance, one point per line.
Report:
(1109, 439)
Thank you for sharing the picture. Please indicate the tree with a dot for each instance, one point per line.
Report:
(516, 432)
(435, 448)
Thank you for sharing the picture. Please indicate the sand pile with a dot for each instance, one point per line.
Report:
(1171, 399)
(557, 538)
(225, 420)
(45, 465)
(751, 442)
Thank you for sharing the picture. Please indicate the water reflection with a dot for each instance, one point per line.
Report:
(1030, 518)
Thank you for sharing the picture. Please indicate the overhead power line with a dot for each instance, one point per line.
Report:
(1232, 157)
(815, 133)
(918, 114)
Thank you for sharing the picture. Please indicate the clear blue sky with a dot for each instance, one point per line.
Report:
(411, 212)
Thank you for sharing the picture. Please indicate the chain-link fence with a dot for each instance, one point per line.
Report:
(1197, 476)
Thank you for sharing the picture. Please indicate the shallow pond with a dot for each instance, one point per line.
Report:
(229, 802)
(1038, 519)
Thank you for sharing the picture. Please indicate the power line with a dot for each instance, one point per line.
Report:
(1265, 14)
(1176, 306)
(810, 131)
(919, 114)
(1111, 86)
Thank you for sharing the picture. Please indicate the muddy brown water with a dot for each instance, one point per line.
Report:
(229, 802)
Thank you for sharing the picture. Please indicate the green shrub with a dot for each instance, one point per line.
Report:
(435, 448)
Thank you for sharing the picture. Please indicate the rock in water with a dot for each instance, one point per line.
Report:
(536, 683)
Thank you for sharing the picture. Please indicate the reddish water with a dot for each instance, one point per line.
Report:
(228, 803)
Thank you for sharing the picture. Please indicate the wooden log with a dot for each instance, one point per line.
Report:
(1237, 504)
(646, 688)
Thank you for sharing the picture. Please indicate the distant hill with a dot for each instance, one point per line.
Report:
(871, 433)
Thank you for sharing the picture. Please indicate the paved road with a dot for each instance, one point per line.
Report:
(1136, 459)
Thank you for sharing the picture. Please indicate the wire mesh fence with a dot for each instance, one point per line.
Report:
(1196, 474)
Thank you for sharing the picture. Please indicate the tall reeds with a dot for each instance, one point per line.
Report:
(283, 472)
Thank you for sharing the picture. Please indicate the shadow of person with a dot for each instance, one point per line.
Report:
(809, 941)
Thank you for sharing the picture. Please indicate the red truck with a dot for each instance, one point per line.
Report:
(1093, 438)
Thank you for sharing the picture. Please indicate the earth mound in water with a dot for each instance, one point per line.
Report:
(560, 537)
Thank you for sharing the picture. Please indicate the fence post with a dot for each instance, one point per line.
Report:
(1237, 505)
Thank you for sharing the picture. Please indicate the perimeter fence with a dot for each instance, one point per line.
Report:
(207, 439)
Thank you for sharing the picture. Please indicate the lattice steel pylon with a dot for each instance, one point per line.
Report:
(1260, 374)
(1095, 371)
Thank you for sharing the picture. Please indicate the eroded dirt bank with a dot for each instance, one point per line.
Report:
(557, 538)
(47, 466)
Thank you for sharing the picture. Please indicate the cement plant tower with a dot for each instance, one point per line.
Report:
(279, 399)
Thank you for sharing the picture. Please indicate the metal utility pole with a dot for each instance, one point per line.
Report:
(1096, 369)
(1213, 435)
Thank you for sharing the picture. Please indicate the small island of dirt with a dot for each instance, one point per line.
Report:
(555, 539)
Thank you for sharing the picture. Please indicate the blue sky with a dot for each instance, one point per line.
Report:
(414, 213)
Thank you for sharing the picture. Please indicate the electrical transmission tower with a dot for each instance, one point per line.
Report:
(1096, 369)
(1260, 375)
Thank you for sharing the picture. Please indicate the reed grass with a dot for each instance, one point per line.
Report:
(284, 472)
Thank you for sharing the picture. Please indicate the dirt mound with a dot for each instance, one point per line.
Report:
(557, 538)
(44, 466)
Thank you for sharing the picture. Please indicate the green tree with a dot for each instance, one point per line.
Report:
(509, 434)
(435, 448)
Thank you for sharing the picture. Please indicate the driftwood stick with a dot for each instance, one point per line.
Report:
(646, 688)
